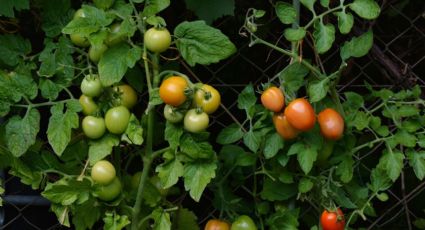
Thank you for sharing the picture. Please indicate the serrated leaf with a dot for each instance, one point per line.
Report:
(169, 172)
(67, 192)
(252, 140)
(186, 220)
(379, 180)
(357, 46)
(345, 169)
(317, 90)
(361, 121)
(85, 216)
(306, 158)
(199, 43)
(21, 133)
(345, 22)
(277, 191)
(196, 149)
(367, 9)
(230, 134)
(305, 185)
(406, 139)
(211, 10)
(324, 36)
(294, 35)
(197, 175)
(285, 12)
(93, 21)
(49, 89)
(134, 132)
(102, 147)
(417, 162)
(62, 214)
(8, 6)
(153, 7)
(272, 145)
(353, 102)
(13, 47)
(113, 221)
(292, 77)
(392, 162)
(246, 98)
(173, 134)
(309, 4)
(284, 219)
(324, 3)
(55, 15)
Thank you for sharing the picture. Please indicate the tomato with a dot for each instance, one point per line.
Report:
(283, 128)
(103, 172)
(157, 40)
(172, 115)
(103, 4)
(195, 121)
(91, 86)
(96, 52)
(157, 183)
(127, 95)
(110, 191)
(332, 220)
(115, 35)
(243, 222)
(172, 90)
(273, 99)
(88, 105)
(300, 114)
(215, 224)
(79, 40)
(135, 180)
(331, 124)
(93, 127)
(207, 98)
(116, 119)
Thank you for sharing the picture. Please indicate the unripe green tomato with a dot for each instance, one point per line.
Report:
(127, 96)
(195, 122)
(172, 115)
(110, 191)
(96, 52)
(243, 223)
(88, 105)
(79, 40)
(103, 172)
(117, 119)
(103, 4)
(114, 35)
(93, 127)
(157, 40)
(157, 183)
(91, 86)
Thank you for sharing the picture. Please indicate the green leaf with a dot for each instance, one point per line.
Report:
(357, 46)
(294, 35)
(252, 140)
(186, 220)
(13, 47)
(8, 6)
(26, 173)
(379, 180)
(284, 219)
(85, 216)
(21, 133)
(199, 43)
(392, 162)
(134, 132)
(61, 124)
(67, 191)
(404, 138)
(417, 162)
(306, 158)
(246, 159)
(317, 90)
(55, 15)
(161, 219)
(102, 147)
(285, 12)
(196, 149)
(94, 20)
(340, 197)
(292, 77)
(367, 9)
(169, 172)
(407, 111)
(345, 169)
(360, 122)
(309, 4)
(211, 10)
(272, 145)
(197, 175)
(353, 102)
(62, 214)
(113, 221)
(305, 185)
(173, 134)
(277, 191)
(115, 61)
(153, 7)
(324, 36)
(247, 98)
(345, 21)
(411, 126)
(324, 3)
(230, 134)
(49, 89)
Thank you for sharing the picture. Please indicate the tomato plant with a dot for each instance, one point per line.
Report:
(115, 35)
(116, 119)
(207, 98)
(196, 121)
(103, 4)
(273, 99)
(157, 40)
(172, 90)
(283, 128)
(103, 172)
(93, 127)
(95, 52)
(217, 225)
(332, 220)
(243, 222)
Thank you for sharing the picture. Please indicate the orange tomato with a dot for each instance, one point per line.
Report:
(331, 124)
(273, 99)
(283, 128)
(300, 114)
(215, 224)
(172, 90)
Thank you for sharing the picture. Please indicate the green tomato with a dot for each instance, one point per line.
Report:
(157, 183)
(103, 172)
(103, 4)
(115, 35)
(172, 115)
(110, 191)
(157, 40)
(195, 121)
(117, 119)
(127, 95)
(93, 127)
(96, 52)
(91, 86)
(79, 40)
(243, 223)
(88, 105)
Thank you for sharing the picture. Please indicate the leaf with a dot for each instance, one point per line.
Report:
(294, 35)
(417, 162)
(211, 10)
(67, 191)
(345, 169)
(360, 121)
(8, 6)
(246, 159)
(317, 90)
(55, 15)
(357, 46)
(196, 149)
(230, 134)
(379, 180)
(353, 102)
(62, 214)
(246, 98)
(324, 3)
(324, 36)
(115, 61)
(21, 133)
(85, 216)
(309, 4)
(392, 162)
(345, 21)
(161, 219)
(277, 191)
(169, 172)
(292, 77)
(134, 132)
(61, 124)
(272, 145)
(153, 7)
(306, 158)
(49, 89)
(404, 138)
(305, 185)
(113, 221)
(102, 147)
(186, 220)
(13, 47)
(173, 134)
(367, 9)
(199, 43)
(252, 140)
(284, 219)
(94, 20)
(285, 12)
(197, 175)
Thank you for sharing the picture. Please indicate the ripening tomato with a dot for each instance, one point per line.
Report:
(91, 86)
(172, 90)
(207, 98)
(243, 222)
(127, 95)
(283, 128)
(331, 124)
(103, 172)
(273, 99)
(110, 191)
(300, 114)
(332, 220)
(96, 52)
(88, 105)
(195, 121)
(215, 224)
(116, 119)
(93, 127)
(157, 40)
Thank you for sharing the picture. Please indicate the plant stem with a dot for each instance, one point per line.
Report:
(322, 15)
(147, 161)
(295, 25)
(361, 210)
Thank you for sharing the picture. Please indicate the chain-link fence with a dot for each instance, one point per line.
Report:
(396, 61)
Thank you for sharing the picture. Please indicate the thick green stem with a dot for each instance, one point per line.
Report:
(322, 15)
(147, 161)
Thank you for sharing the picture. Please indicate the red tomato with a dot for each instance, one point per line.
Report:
(217, 225)
(332, 220)
(273, 99)
(331, 124)
(300, 114)
(283, 128)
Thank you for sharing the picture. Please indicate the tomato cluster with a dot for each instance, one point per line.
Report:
(108, 184)
(299, 116)
(189, 103)
(243, 222)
